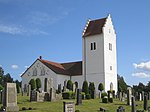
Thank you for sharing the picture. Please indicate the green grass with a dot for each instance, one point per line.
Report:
(87, 105)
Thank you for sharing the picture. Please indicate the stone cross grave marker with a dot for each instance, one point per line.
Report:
(69, 107)
(129, 93)
(10, 98)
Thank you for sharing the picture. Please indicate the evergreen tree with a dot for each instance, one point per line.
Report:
(17, 86)
(91, 89)
(33, 84)
(38, 84)
(122, 84)
(85, 88)
(100, 87)
(69, 85)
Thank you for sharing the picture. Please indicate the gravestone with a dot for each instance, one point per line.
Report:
(148, 95)
(123, 97)
(65, 85)
(33, 95)
(129, 92)
(145, 102)
(74, 87)
(133, 104)
(99, 95)
(136, 96)
(25, 88)
(52, 94)
(142, 95)
(79, 97)
(111, 86)
(1, 97)
(120, 96)
(59, 88)
(28, 90)
(120, 109)
(10, 98)
(69, 107)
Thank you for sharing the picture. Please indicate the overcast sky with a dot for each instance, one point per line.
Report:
(53, 29)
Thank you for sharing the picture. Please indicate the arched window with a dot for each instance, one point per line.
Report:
(42, 71)
(34, 72)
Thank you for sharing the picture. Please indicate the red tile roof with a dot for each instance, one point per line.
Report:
(94, 27)
(71, 68)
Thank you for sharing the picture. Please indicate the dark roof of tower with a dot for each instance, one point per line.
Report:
(94, 27)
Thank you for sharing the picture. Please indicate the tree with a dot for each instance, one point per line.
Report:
(69, 85)
(122, 84)
(76, 83)
(101, 87)
(91, 89)
(33, 84)
(17, 86)
(38, 84)
(85, 88)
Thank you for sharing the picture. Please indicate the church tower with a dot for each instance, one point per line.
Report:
(99, 53)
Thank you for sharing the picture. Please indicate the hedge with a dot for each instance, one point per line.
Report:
(68, 95)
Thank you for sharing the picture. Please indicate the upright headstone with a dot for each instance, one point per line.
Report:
(120, 96)
(111, 86)
(1, 97)
(148, 95)
(29, 90)
(99, 94)
(69, 107)
(129, 93)
(65, 85)
(52, 95)
(33, 95)
(79, 97)
(123, 97)
(59, 88)
(74, 87)
(142, 95)
(10, 98)
(136, 96)
(145, 102)
(133, 105)
(49, 84)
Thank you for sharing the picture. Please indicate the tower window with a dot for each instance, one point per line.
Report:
(110, 67)
(93, 46)
(110, 46)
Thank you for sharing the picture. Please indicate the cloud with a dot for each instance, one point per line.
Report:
(44, 18)
(141, 75)
(26, 67)
(0, 65)
(11, 29)
(14, 66)
(19, 30)
(143, 66)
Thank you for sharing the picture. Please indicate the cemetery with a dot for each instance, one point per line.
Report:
(73, 100)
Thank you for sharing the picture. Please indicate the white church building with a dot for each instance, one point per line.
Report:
(98, 65)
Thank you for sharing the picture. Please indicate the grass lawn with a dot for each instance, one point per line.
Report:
(87, 106)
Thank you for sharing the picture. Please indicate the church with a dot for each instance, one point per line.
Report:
(98, 65)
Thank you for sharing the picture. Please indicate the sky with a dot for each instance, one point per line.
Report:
(53, 29)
